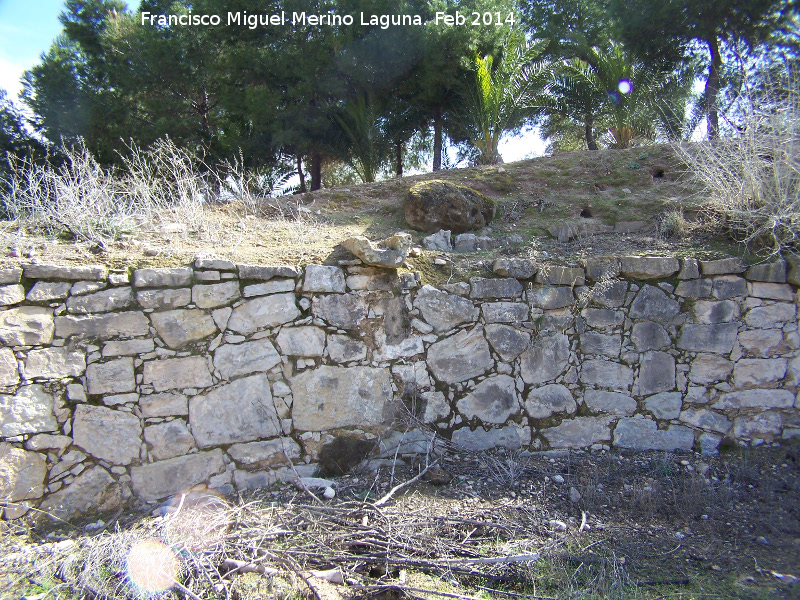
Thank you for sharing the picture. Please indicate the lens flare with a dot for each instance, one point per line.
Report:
(625, 86)
(151, 566)
(197, 520)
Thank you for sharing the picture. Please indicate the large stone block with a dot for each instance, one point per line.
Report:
(720, 311)
(710, 368)
(546, 359)
(30, 410)
(168, 439)
(690, 269)
(764, 425)
(722, 266)
(761, 342)
(580, 432)
(216, 294)
(460, 356)
(169, 477)
(755, 399)
(444, 311)
(128, 347)
(773, 315)
(601, 268)
(26, 326)
(324, 279)
(609, 402)
(434, 205)
(177, 277)
(12, 275)
(22, 474)
(772, 291)
(177, 373)
(343, 348)
(333, 397)
(666, 405)
(545, 401)
(603, 318)
(694, 288)
(167, 404)
(652, 304)
(750, 372)
(493, 400)
(9, 369)
(124, 324)
(503, 287)
(643, 434)
(301, 341)
(93, 491)
(53, 363)
(107, 434)
(609, 294)
(240, 411)
(728, 286)
(549, 297)
(519, 268)
(505, 312)
(232, 360)
(648, 267)
(11, 294)
(558, 275)
(718, 338)
(412, 377)
(164, 299)
(704, 418)
(265, 273)
(648, 335)
(436, 406)
(656, 373)
(507, 341)
(180, 327)
(344, 311)
(606, 374)
(263, 312)
(773, 272)
(268, 453)
(80, 273)
(276, 286)
(112, 377)
(48, 291)
(100, 302)
(600, 343)
(511, 437)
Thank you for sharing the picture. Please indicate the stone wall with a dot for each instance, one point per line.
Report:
(137, 385)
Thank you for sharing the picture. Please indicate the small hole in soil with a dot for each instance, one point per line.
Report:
(586, 212)
(657, 172)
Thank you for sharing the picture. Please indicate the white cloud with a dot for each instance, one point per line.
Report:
(10, 74)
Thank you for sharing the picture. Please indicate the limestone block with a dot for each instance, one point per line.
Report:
(100, 302)
(558, 275)
(750, 372)
(546, 359)
(11, 294)
(519, 268)
(728, 286)
(609, 402)
(268, 453)
(505, 312)
(168, 439)
(265, 273)
(656, 373)
(493, 400)
(324, 279)
(81, 288)
(22, 474)
(343, 348)
(773, 272)
(501, 287)
(405, 348)
(764, 425)
(12, 275)
(772, 291)
(439, 241)
(301, 341)
(643, 434)
(107, 434)
(704, 418)
(603, 318)
(690, 269)
(755, 399)
(694, 288)
(718, 338)
(721, 311)
(549, 297)
(164, 299)
(166, 404)
(332, 397)
(436, 406)
(710, 368)
(545, 401)
(26, 326)
(177, 277)
(722, 266)
(389, 253)
(84, 272)
(606, 374)
(509, 437)
(460, 356)
(177, 373)
(213, 262)
(601, 268)
(169, 477)
(30, 410)
(9, 369)
(666, 405)
(580, 432)
(761, 342)
(648, 335)
(652, 304)
(507, 341)
(93, 491)
(67, 462)
(444, 311)
(233, 360)
(648, 267)
(240, 411)
(216, 294)
(413, 377)
(600, 343)
(124, 324)
(610, 294)
(53, 363)
(48, 291)
(47, 441)
(112, 377)
(182, 326)
(275, 286)
(128, 347)
(766, 317)
(344, 311)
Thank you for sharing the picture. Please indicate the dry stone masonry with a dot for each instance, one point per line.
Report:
(121, 387)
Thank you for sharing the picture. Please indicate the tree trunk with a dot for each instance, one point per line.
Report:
(399, 159)
(300, 174)
(588, 121)
(437, 140)
(316, 171)
(712, 89)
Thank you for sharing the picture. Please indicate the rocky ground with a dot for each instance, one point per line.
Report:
(552, 525)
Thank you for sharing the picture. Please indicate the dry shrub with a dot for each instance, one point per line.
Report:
(752, 178)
